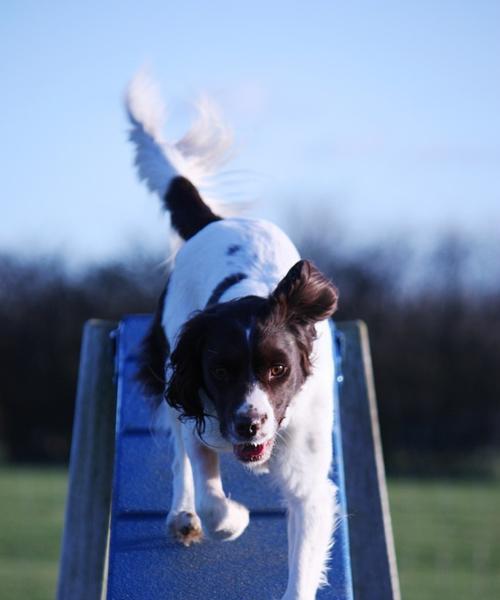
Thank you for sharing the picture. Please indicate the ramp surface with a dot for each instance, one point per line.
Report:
(144, 563)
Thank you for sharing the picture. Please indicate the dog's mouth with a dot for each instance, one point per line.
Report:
(253, 453)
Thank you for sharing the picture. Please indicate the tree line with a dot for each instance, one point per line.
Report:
(435, 347)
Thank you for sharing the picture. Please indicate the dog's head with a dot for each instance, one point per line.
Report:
(246, 359)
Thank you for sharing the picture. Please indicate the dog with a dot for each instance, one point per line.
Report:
(241, 351)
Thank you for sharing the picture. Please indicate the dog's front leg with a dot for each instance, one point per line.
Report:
(222, 518)
(182, 521)
(310, 529)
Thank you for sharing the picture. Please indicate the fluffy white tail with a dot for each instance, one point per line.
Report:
(197, 156)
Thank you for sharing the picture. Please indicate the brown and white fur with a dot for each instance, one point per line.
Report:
(241, 351)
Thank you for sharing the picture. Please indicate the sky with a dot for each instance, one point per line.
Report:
(380, 117)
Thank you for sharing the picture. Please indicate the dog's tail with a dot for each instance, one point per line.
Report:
(176, 171)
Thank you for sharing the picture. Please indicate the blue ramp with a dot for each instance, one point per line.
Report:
(144, 563)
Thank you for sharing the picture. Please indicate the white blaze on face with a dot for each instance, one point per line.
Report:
(257, 407)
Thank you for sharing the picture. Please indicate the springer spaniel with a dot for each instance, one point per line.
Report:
(241, 351)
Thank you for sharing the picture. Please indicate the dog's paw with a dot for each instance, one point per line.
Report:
(185, 527)
(295, 595)
(224, 519)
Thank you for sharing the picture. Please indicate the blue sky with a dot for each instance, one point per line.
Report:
(385, 115)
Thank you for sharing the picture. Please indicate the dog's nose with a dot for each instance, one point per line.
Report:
(246, 427)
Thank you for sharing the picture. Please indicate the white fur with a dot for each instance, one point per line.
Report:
(197, 156)
(257, 405)
(302, 455)
(301, 458)
(202, 263)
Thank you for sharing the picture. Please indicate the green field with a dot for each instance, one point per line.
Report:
(447, 539)
(31, 518)
(447, 536)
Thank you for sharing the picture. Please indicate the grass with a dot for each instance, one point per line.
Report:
(31, 518)
(447, 536)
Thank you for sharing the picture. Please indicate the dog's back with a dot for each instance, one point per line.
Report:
(228, 259)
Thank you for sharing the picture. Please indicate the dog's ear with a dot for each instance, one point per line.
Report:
(305, 295)
(185, 372)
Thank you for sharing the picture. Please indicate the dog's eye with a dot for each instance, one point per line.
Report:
(277, 371)
(220, 373)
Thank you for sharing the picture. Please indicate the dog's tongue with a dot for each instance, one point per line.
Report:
(249, 452)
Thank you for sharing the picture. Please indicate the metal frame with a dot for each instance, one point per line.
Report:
(83, 557)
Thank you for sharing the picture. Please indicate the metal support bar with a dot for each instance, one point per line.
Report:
(83, 554)
(373, 557)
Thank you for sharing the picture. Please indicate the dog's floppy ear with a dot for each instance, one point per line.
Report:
(305, 295)
(186, 375)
